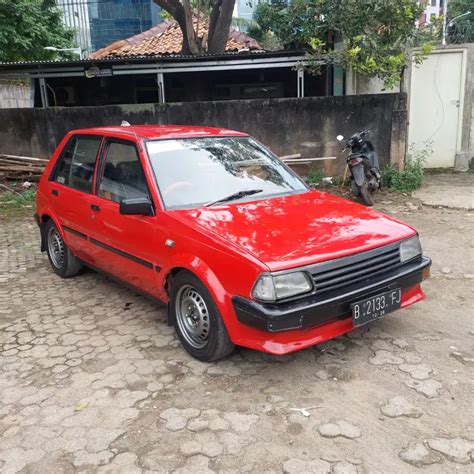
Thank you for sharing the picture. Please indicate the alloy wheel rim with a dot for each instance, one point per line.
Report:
(192, 317)
(56, 247)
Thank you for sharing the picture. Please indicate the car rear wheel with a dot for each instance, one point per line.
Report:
(197, 320)
(63, 262)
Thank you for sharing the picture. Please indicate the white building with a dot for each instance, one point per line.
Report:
(76, 16)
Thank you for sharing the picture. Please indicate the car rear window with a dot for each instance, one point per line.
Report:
(76, 165)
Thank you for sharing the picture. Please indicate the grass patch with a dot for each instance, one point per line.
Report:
(20, 203)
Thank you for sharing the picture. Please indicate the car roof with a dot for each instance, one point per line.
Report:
(162, 131)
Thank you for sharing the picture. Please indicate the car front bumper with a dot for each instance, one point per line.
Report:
(316, 310)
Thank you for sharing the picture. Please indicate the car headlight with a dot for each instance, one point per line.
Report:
(410, 248)
(276, 287)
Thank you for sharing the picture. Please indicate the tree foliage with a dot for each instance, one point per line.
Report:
(371, 37)
(219, 13)
(28, 26)
(462, 30)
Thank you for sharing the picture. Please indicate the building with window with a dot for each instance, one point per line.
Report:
(100, 22)
(433, 9)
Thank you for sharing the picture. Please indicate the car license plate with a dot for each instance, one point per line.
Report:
(375, 307)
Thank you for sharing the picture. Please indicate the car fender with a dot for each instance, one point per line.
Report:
(207, 276)
(49, 212)
(201, 269)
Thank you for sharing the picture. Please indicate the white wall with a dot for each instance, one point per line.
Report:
(15, 94)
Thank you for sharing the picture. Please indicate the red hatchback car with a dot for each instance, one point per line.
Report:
(212, 223)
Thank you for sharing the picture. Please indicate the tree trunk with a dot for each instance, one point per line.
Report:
(219, 26)
(191, 35)
(176, 10)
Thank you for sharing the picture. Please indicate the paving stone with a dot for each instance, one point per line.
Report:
(344, 467)
(240, 421)
(400, 406)
(177, 419)
(16, 459)
(418, 455)
(298, 466)
(382, 344)
(385, 358)
(224, 368)
(455, 449)
(418, 372)
(401, 343)
(204, 443)
(429, 388)
(83, 458)
(465, 359)
(339, 428)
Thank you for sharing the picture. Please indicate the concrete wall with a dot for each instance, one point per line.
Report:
(308, 126)
(465, 156)
(359, 84)
(16, 94)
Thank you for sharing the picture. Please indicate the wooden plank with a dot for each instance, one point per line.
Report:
(309, 160)
(25, 158)
(19, 168)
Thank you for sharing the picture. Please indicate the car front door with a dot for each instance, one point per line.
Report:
(125, 245)
(70, 188)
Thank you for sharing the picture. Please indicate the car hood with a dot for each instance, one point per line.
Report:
(297, 230)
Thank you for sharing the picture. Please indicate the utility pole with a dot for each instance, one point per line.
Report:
(445, 20)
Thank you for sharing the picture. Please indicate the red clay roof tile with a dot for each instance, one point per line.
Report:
(166, 38)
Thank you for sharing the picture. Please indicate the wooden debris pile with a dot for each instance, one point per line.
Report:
(21, 168)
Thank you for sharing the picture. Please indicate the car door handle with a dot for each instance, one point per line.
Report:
(55, 192)
(95, 207)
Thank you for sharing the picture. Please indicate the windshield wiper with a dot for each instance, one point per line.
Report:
(234, 196)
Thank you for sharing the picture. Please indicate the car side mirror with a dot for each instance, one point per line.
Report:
(137, 206)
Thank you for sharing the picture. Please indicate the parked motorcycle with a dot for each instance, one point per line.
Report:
(363, 165)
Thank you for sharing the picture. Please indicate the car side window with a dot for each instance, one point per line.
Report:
(123, 176)
(76, 164)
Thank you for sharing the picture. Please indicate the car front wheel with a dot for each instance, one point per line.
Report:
(63, 262)
(197, 320)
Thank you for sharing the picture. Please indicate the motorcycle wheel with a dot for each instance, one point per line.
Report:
(367, 194)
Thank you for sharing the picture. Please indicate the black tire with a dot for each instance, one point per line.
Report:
(366, 194)
(62, 261)
(202, 333)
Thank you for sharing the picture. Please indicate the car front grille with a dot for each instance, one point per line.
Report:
(358, 268)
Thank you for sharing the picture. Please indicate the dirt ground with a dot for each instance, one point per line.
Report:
(92, 379)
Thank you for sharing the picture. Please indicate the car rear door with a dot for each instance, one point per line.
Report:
(125, 245)
(70, 187)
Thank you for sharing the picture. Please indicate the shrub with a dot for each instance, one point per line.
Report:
(315, 177)
(411, 177)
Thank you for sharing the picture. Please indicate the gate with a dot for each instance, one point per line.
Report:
(436, 104)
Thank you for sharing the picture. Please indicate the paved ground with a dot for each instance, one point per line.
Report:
(438, 190)
(93, 380)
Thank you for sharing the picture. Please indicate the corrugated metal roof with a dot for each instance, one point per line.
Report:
(154, 58)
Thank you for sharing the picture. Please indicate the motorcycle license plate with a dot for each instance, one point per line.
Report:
(375, 307)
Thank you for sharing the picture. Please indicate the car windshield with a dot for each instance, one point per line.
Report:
(193, 172)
